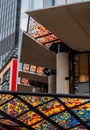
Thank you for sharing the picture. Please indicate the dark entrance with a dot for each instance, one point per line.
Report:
(80, 73)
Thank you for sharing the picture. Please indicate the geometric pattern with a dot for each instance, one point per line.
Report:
(40, 111)
(41, 34)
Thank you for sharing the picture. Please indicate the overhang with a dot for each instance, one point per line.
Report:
(70, 23)
(33, 76)
(24, 88)
(35, 54)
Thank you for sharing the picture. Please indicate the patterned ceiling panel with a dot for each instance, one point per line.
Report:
(24, 111)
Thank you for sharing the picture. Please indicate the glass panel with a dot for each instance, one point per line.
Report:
(83, 112)
(44, 125)
(81, 77)
(4, 98)
(83, 67)
(48, 4)
(5, 86)
(14, 107)
(29, 118)
(41, 34)
(48, 38)
(36, 5)
(82, 88)
(36, 100)
(72, 102)
(33, 68)
(73, 1)
(26, 67)
(36, 30)
(65, 120)
(81, 127)
(51, 108)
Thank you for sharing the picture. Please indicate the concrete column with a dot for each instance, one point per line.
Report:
(35, 89)
(52, 84)
(62, 67)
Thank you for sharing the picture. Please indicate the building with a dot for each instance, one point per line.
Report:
(64, 44)
(9, 29)
(9, 38)
(10, 33)
(8, 77)
(51, 58)
(23, 80)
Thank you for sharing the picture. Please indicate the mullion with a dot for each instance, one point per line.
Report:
(41, 114)
(70, 108)
(74, 115)
(75, 126)
(36, 107)
(43, 36)
(15, 120)
(44, 103)
(78, 125)
(80, 104)
(50, 41)
(37, 122)
(22, 113)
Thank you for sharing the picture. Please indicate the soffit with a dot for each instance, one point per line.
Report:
(70, 23)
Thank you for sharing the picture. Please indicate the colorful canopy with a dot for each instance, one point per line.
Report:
(41, 34)
(24, 111)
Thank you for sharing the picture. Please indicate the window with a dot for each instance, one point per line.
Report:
(26, 67)
(81, 72)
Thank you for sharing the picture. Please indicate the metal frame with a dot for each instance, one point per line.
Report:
(54, 97)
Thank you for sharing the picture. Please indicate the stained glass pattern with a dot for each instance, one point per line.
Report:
(81, 127)
(41, 34)
(47, 38)
(65, 120)
(83, 111)
(23, 111)
(30, 118)
(51, 108)
(4, 98)
(71, 102)
(36, 30)
(44, 125)
(14, 107)
(36, 100)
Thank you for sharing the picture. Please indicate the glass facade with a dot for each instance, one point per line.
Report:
(80, 73)
(9, 26)
(9, 23)
(5, 81)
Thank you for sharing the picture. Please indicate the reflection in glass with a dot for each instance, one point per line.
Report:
(26, 67)
(33, 68)
(24, 81)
